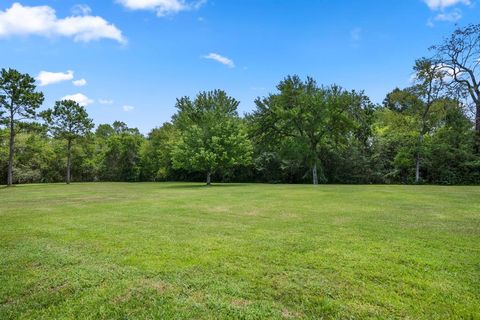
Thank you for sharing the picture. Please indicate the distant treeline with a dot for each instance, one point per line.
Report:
(301, 133)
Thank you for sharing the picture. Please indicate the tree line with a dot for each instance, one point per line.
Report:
(304, 132)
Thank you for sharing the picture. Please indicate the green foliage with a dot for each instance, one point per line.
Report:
(403, 101)
(300, 128)
(213, 137)
(316, 118)
(156, 153)
(18, 97)
(119, 153)
(67, 120)
(459, 55)
(449, 151)
(18, 101)
(396, 137)
(3, 154)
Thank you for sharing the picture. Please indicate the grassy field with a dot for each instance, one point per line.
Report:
(184, 251)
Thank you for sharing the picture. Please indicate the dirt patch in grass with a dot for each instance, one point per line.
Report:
(240, 303)
(142, 287)
(287, 314)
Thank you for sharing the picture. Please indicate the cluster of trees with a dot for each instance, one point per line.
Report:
(304, 132)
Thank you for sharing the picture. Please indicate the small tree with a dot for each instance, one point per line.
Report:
(212, 134)
(68, 121)
(19, 100)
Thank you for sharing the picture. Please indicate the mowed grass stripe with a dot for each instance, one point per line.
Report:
(179, 250)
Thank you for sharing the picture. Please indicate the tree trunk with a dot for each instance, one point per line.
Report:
(69, 160)
(209, 179)
(417, 164)
(11, 152)
(477, 127)
(315, 174)
(417, 170)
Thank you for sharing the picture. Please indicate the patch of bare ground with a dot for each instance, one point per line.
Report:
(240, 303)
(287, 314)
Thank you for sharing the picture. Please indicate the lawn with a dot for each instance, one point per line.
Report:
(244, 251)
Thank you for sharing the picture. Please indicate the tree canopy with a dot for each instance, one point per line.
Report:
(302, 132)
(19, 99)
(68, 121)
(316, 118)
(213, 136)
(459, 56)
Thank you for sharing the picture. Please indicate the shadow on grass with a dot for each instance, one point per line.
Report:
(204, 186)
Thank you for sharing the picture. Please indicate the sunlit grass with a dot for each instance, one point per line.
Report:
(166, 250)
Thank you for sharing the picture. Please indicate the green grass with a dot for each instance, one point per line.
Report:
(184, 251)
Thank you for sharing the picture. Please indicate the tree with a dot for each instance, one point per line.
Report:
(420, 103)
(104, 131)
(313, 116)
(460, 56)
(119, 152)
(20, 101)
(68, 121)
(121, 127)
(430, 86)
(212, 135)
(156, 153)
(395, 137)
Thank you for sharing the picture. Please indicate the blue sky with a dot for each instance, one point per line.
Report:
(131, 59)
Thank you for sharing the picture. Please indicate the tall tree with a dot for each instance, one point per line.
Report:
(419, 104)
(313, 116)
(68, 121)
(460, 55)
(429, 87)
(20, 100)
(395, 136)
(212, 135)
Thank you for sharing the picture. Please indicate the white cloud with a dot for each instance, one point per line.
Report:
(80, 98)
(45, 77)
(128, 108)
(79, 82)
(105, 101)
(448, 72)
(162, 7)
(443, 14)
(442, 4)
(81, 10)
(221, 59)
(452, 16)
(19, 20)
